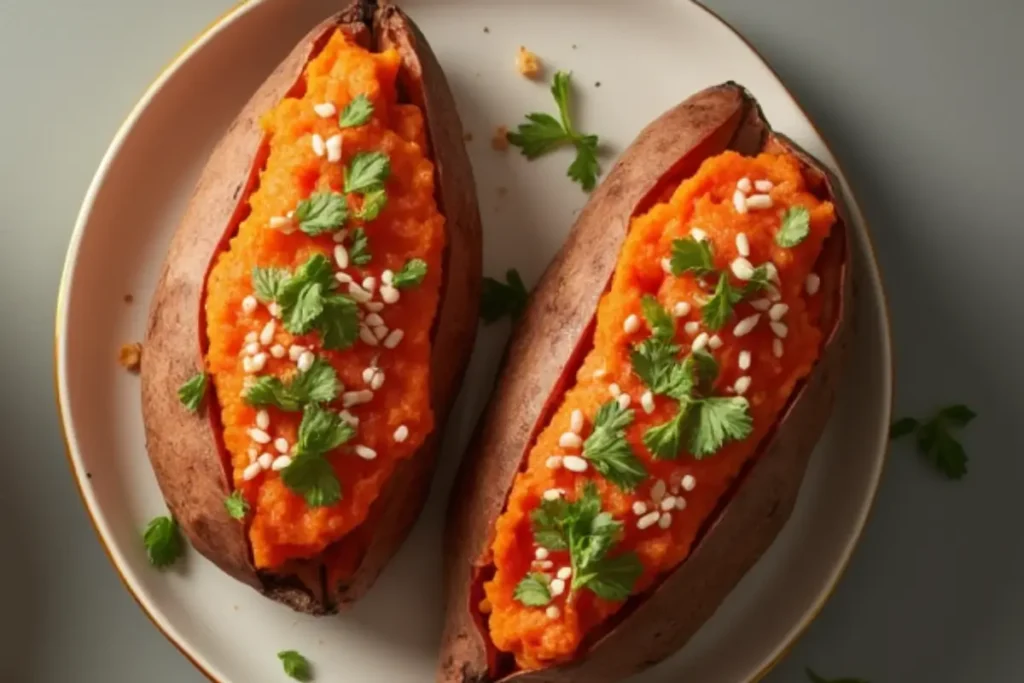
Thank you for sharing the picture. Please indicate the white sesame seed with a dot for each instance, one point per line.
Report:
(763, 185)
(374, 320)
(647, 402)
(366, 336)
(632, 324)
(700, 342)
(698, 234)
(401, 434)
(318, 145)
(742, 244)
(387, 277)
(247, 365)
(777, 348)
(745, 326)
(666, 265)
(263, 420)
(553, 494)
(281, 444)
(280, 462)
(574, 463)
(290, 214)
(665, 521)
(658, 490)
(544, 564)
(325, 110)
(333, 146)
(744, 360)
(639, 507)
(355, 398)
(777, 311)
(576, 421)
(295, 350)
(552, 612)
(742, 268)
(267, 333)
(761, 304)
(668, 502)
(680, 503)
(541, 553)
(343, 278)
(688, 483)
(715, 342)
(624, 400)
(251, 472)
(358, 293)
(348, 417)
(743, 185)
(380, 331)
(779, 329)
(570, 440)
(378, 380)
(251, 337)
(340, 235)
(370, 284)
(650, 519)
(739, 201)
(368, 374)
(680, 309)
(374, 306)
(265, 460)
(305, 361)
(393, 339)
(275, 309)
(390, 295)
(258, 435)
(277, 351)
(341, 256)
(365, 452)
(252, 348)
(759, 201)
(812, 284)
(259, 361)
(554, 462)
(614, 389)
(742, 384)
(772, 271)
(249, 304)
(691, 328)
(557, 587)
(278, 222)
(564, 573)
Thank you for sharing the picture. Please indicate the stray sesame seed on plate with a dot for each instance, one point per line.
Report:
(714, 342)
(700, 342)
(658, 490)
(267, 333)
(680, 309)
(366, 336)
(249, 304)
(742, 244)
(668, 503)
(576, 421)
(688, 483)
(639, 508)
(541, 553)
(812, 284)
(305, 361)
(258, 435)
(325, 110)
(552, 612)
(401, 434)
(647, 402)
(277, 351)
(574, 463)
(355, 398)
(624, 400)
(380, 331)
(319, 148)
(275, 309)
(777, 311)
(761, 304)
(698, 234)
(742, 384)
(365, 452)
(739, 201)
(553, 494)
(564, 573)
(648, 520)
(281, 444)
(759, 201)
(393, 339)
(390, 295)
(570, 440)
(341, 256)
(742, 268)
(358, 293)
(557, 587)
(554, 462)
(252, 348)
(743, 185)
(665, 521)
(744, 360)
(263, 420)
(779, 329)
(691, 328)
(370, 283)
(258, 361)
(777, 348)
(614, 389)
(632, 324)
(746, 326)
(280, 463)
(278, 222)
(763, 185)
(251, 472)
(333, 146)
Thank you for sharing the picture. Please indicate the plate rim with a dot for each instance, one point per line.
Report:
(157, 618)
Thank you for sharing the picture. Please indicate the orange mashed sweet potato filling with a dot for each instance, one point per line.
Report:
(678, 495)
(398, 417)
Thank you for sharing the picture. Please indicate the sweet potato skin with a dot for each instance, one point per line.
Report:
(185, 449)
(556, 329)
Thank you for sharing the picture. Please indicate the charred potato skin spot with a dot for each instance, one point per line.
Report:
(185, 450)
(654, 625)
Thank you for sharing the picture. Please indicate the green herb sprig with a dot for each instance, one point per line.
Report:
(935, 440)
(503, 299)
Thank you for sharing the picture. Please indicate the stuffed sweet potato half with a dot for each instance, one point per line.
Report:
(657, 406)
(316, 308)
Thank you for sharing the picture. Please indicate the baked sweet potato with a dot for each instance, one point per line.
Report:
(326, 276)
(656, 408)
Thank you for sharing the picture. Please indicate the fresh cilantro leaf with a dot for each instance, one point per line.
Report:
(319, 384)
(663, 325)
(703, 368)
(902, 427)
(547, 519)
(307, 307)
(498, 299)
(608, 450)
(541, 134)
(295, 665)
(411, 274)
(374, 202)
(593, 536)
(267, 282)
(665, 441)
(655, 362)
(359, 252)
(301, 295)
(312, 476)
(339, 323)
(560, 91)
(611, 578)
(718, 419)
(533, 591)
(191, 393)
(758, 281)
(236, 505)
(367, 172)
(796, 226)
(692, 256)
(356, 113)
(815, 678)
(585, 168)
(163, 542)
(322, 212)
(268, 390)
(717, 311)
(322, 430)
(934, 440)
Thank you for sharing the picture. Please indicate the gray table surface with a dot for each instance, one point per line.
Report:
(918, 99)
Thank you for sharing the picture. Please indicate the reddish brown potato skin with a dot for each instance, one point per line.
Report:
(553, 334)
(184, 449)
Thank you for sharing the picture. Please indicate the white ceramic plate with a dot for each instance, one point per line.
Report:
(647, 57)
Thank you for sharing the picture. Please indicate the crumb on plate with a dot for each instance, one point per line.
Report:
(500, 139)
(130, 356)
(528, 63)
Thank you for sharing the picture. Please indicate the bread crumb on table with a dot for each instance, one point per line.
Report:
(528, 63)
(130, 356)
(500, 139)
